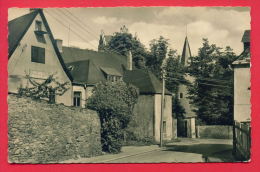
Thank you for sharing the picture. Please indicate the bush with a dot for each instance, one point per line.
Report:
(114, 101)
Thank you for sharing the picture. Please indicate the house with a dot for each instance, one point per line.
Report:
(186, 126)
(242, 106)
(147, 112)
(89, 67)
(33, 51)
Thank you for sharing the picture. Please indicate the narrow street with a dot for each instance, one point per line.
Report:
(185, 150)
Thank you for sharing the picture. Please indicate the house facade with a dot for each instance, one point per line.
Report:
(33, 52)
(147, 112)
(242, 105)
(186, 126)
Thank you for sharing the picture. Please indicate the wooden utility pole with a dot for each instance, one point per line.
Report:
(162, 101)
(162, 109)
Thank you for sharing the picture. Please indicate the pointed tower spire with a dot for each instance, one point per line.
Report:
(186, 53)
(102, 41)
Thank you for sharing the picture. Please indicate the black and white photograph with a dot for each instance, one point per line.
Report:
(129, 85)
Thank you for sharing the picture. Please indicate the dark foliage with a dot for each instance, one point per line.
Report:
(212, 91)
(114, 101)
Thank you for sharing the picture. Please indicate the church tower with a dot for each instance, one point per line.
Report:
(186, 53)
(186, 126)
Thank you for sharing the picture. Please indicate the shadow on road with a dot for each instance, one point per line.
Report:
(218, 152)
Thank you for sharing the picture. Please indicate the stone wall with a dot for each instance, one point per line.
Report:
(43, 133)
(142, 123)
(215, 131)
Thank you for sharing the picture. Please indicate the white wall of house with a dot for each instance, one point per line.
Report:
(20, 64)
(167, 117)
(242, 106)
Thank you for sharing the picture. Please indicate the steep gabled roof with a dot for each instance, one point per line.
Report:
(186, 53)
(19, 26)
(98, 63)
(246, 36)
(17, 29)
(145, 80)
(100, 59)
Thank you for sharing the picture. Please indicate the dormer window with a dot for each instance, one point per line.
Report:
(111, 74)
(38, 26)
(114, 78)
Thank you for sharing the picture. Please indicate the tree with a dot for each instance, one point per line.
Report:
(114, 101)
(123, 41)
(158, 51)
(48, 88)
(212, 91)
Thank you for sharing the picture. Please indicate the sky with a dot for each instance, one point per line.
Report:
(81, 27)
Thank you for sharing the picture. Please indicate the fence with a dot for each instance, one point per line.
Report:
(242, 140)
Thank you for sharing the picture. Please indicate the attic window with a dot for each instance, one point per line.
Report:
(38, 26)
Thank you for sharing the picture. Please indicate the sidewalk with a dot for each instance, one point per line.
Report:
(127, 151)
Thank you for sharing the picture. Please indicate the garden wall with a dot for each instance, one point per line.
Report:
(43, 133)
(215, 131)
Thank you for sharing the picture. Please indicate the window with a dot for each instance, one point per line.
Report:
(39, 33)
(77, 98)
(38, 25)
(164, 126)
(181, 95)
(38, 55)
(113, 78)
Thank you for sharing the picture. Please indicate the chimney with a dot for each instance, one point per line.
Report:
(34, 9)
(59, 44)
(129, 60)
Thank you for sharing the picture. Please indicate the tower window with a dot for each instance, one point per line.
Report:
(164, 126)
(181, 95)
